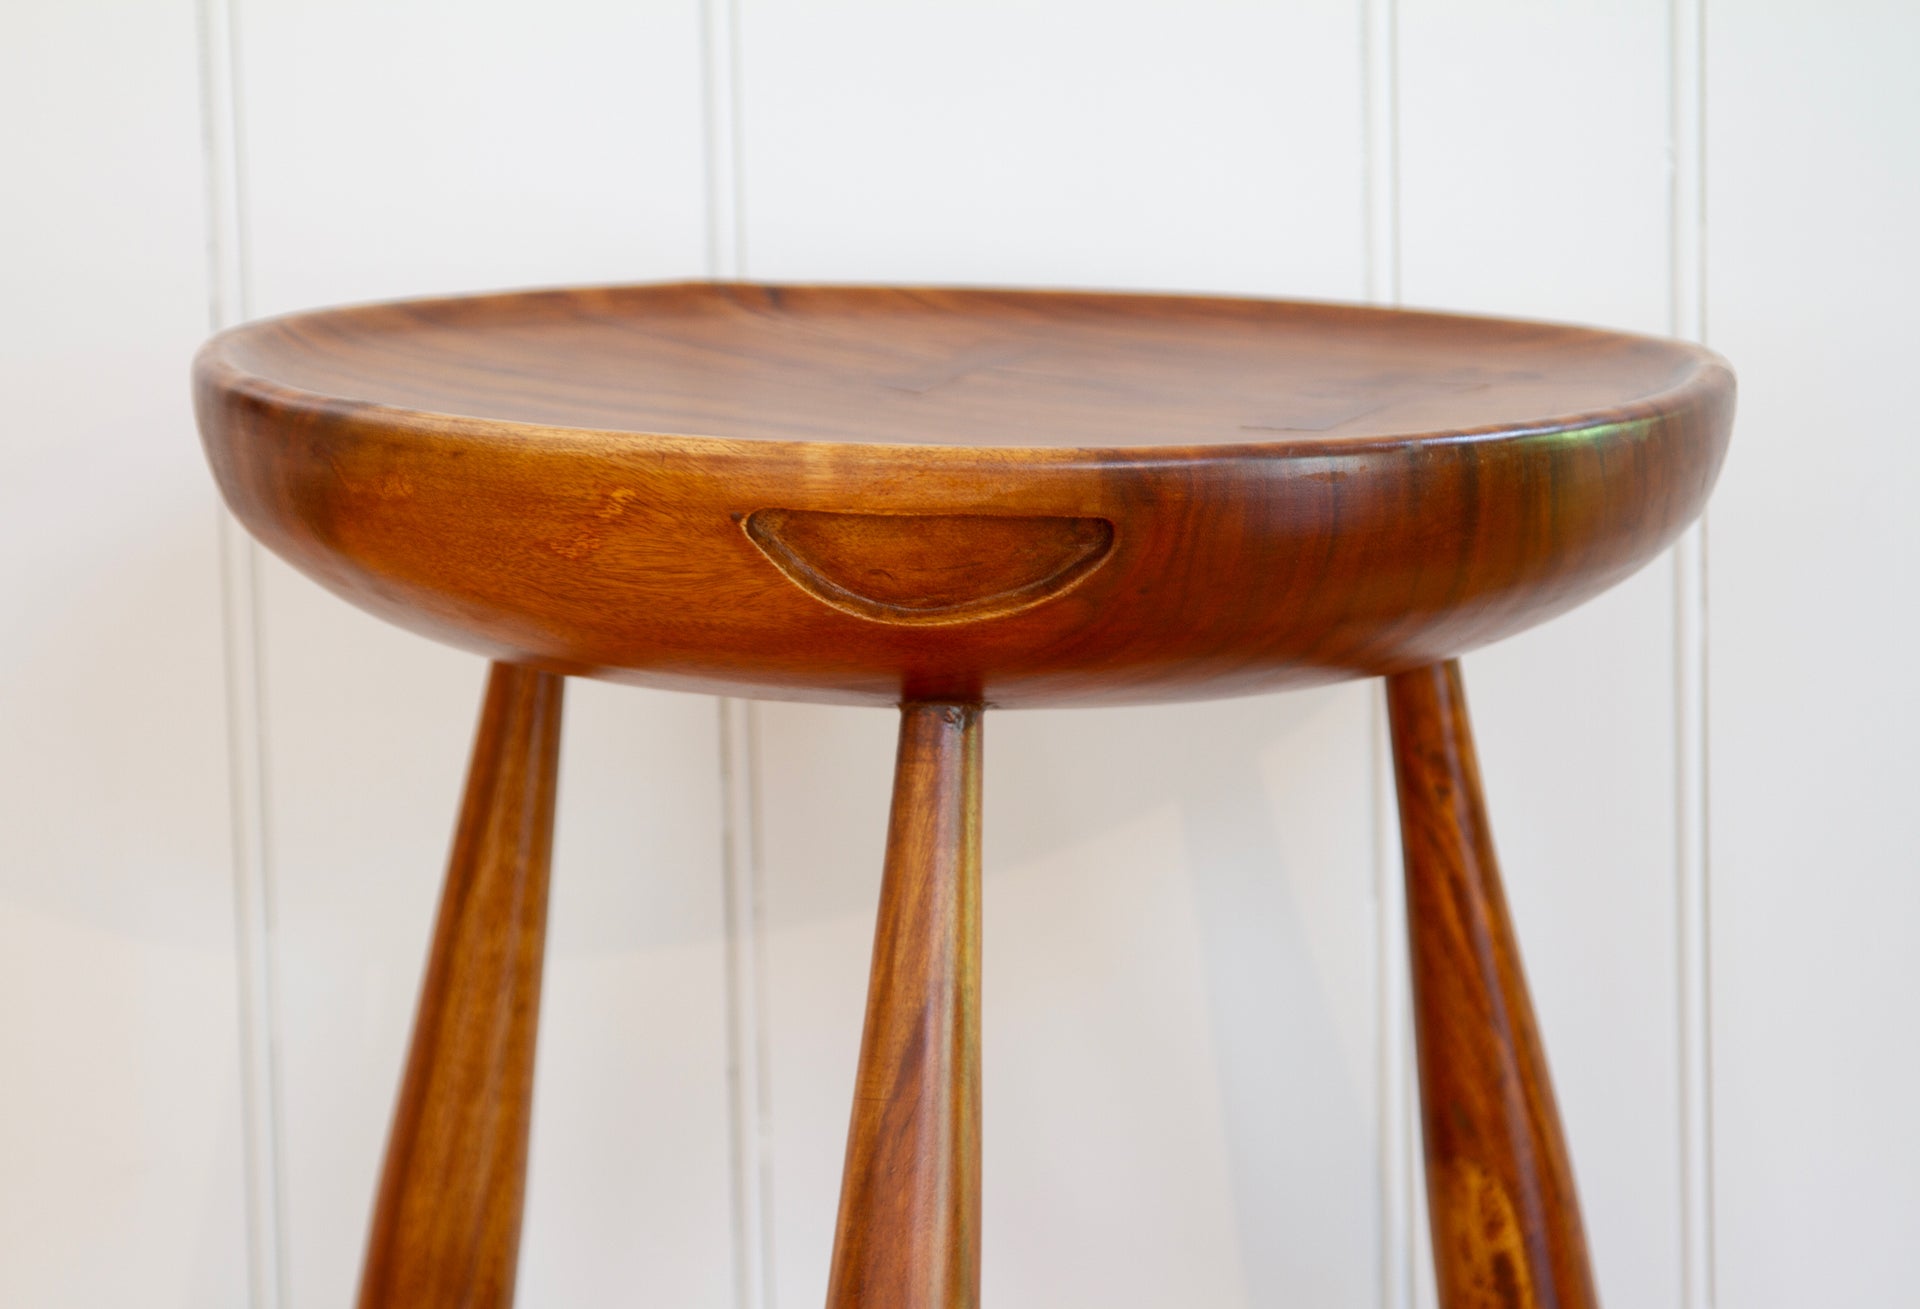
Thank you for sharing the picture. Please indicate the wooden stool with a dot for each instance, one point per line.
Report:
(950, 501)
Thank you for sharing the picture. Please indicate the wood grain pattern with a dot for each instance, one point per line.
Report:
(930, 568)
(908, 1235)
(1505, 1218)
(945, 500)
(446, 1225)
(1296, 493)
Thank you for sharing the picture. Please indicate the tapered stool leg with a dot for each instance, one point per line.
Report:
(446, 1226)
(1505, 1219)
(909, 1228)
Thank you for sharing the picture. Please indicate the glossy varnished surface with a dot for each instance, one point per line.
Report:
(1501, 1203)
(446, 1224)
(1019, 497)
(908, 1235)
(949, 367)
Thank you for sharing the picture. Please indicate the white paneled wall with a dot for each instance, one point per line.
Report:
(1813, 197)
(120, 1138)
(225, 796)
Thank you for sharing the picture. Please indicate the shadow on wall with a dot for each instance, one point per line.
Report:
(1197, 878)
(1278, 868)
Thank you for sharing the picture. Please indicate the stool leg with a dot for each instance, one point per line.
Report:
(1504, 1215)
(909, 1228)
(446, 1226)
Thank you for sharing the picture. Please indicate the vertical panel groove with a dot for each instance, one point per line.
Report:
(750, 1108)
(1393, 1035)
(258, 1035)
(1380, 74)
(749, 1103)
(1393, 1038)
(1693, 882)
(720, 45)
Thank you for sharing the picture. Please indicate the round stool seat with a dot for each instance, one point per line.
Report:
(1020, 498)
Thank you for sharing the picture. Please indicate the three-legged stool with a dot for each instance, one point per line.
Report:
(956, 501)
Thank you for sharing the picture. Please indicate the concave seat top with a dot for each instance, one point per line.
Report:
(864, 494)
(957, 367)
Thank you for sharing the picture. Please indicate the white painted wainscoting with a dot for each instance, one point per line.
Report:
(225, 796)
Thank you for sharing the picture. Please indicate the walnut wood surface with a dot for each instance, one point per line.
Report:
(908, 1235)
(1113, 498)
(941, 568)
(446, 1225)
(1500, 1194)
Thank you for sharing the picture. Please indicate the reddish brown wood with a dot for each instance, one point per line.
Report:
(952, 499)
(870, 495)
(921, 568)
(909, 1228)
(446, 1226)
(1501, 1202)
